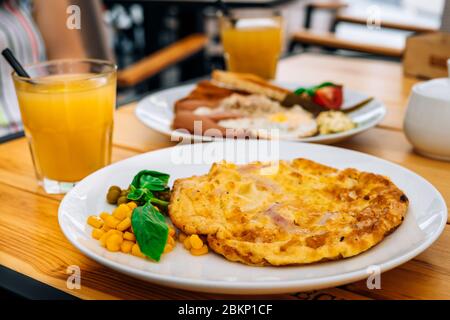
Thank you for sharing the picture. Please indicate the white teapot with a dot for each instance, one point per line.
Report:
(427, 120)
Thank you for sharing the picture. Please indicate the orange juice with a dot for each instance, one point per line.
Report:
(252, 45)
(68, 120)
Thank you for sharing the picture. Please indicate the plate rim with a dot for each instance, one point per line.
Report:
(254, 287)
(140, 112)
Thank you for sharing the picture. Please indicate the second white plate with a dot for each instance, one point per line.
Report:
(156, 111)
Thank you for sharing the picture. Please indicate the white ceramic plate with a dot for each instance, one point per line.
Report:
(156, 111)
(424, 222)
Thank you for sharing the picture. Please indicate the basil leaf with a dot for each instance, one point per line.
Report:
(135, 193)
(152, 180)
(151, 230)
(325, 84)
(311, 91)
(152, 183)
(148, 195)
(145, 183)
(299, 91)
(141, 195)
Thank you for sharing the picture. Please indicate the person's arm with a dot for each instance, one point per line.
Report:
(60, 41)
(445, 24)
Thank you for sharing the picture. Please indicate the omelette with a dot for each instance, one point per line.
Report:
(287, 213)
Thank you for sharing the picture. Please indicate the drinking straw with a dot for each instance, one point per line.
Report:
(14, 63)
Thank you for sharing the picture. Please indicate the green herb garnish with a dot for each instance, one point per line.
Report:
(151, 180)
(145, 183)
(150, 229)
(149, 225)
(311, 91)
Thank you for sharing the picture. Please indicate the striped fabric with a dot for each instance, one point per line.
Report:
(20, 34)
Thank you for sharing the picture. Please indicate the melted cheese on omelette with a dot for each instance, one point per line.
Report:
(301, 212)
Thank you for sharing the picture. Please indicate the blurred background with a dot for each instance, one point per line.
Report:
(147, 38)
(139, 28)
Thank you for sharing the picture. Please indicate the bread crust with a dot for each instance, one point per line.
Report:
(249, 83)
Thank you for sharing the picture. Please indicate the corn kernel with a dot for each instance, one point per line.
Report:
(170, 241)
(121, 212)
(129, 236)
(182, 237)
(106, 228)
(114, 242)
(124, 225)
(171, 231)
(168, 248)
(187, 243)
(116, 232)
(199, 252)
(196, 242)
(112, 222)
(126, 246)
(103, 239)
(97, 233)
(132, 205)
(103, 215)
(136, 251)
(95, 222)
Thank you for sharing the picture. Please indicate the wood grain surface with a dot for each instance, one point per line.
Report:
(31, 242)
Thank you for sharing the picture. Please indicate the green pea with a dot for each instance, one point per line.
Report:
(122, 199)
(114, 188)
(113, 196)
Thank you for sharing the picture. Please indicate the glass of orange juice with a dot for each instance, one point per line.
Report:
(67, 109)
(252, 41)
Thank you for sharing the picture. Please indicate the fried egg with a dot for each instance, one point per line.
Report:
(294, 123)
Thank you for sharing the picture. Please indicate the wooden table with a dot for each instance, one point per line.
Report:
(32, 244)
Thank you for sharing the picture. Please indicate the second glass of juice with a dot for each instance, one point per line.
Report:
(67, 110)
(252, 41)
